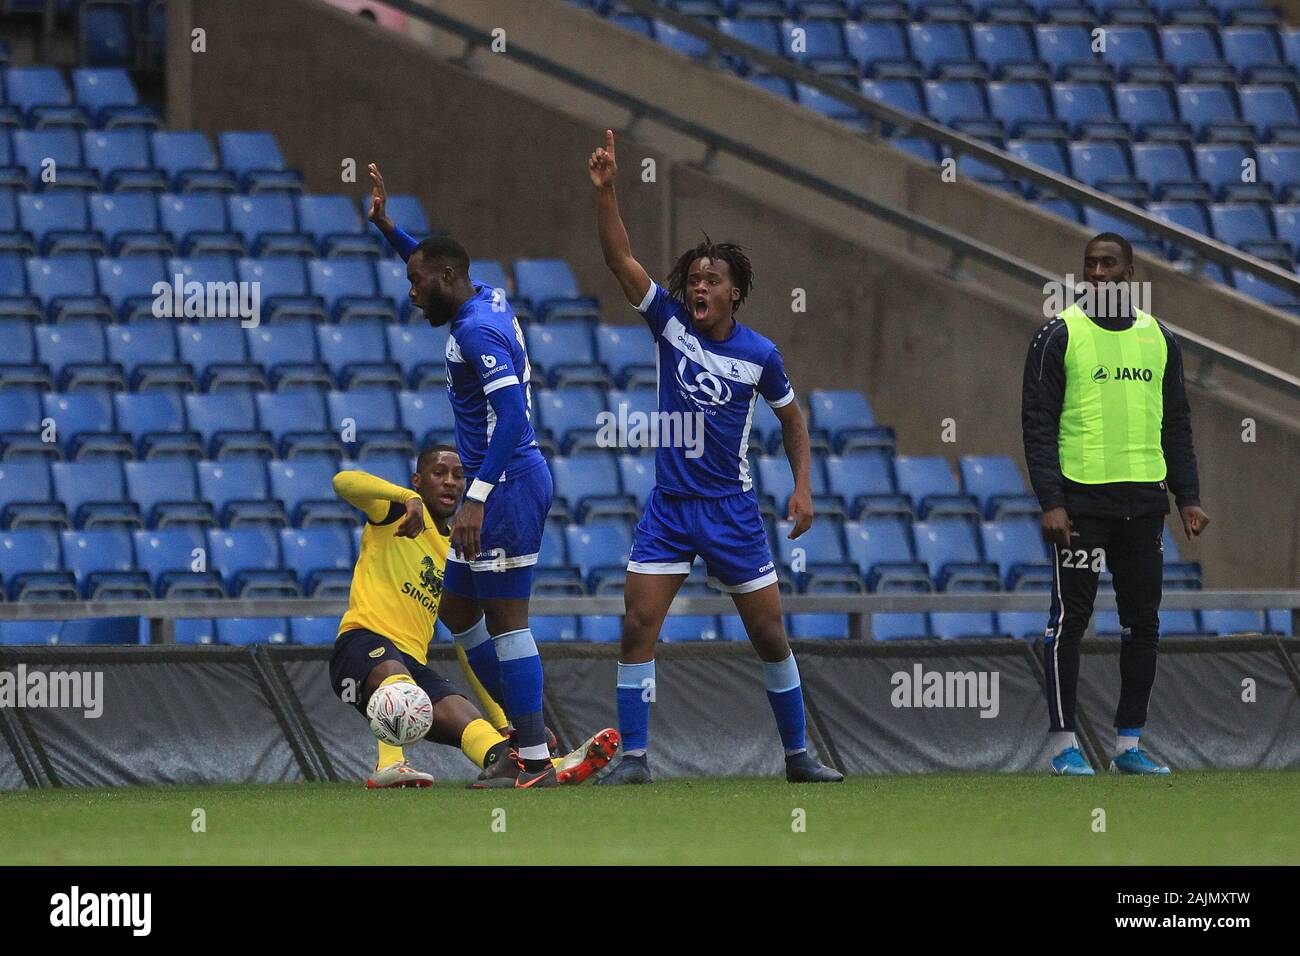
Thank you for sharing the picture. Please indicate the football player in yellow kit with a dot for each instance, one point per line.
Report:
(392, 608)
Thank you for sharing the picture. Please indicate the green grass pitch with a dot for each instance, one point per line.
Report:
(1219, 817)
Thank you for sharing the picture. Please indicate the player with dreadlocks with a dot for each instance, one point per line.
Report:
(712, 370)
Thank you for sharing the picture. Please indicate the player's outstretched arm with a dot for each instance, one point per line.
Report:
(794, 436)
(375, 497)
(614, 243)
(402, 243)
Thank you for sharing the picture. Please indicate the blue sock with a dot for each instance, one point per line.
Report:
(482, 656)
(521, 680)
(635, 692)
(785, 694)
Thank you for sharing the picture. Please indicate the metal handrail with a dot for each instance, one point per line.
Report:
(1201, 245)
(962, 246)
(859, 608)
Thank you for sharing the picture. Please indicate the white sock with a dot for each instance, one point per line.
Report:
(1124, 743)
(1058, 743)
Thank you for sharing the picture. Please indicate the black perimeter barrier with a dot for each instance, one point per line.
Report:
(203, 714)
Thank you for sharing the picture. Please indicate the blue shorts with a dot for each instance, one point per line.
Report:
(514, 518)
(728, 533)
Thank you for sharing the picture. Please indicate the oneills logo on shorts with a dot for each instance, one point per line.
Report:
(377, 652)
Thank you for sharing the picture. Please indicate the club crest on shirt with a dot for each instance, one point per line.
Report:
(430, 577)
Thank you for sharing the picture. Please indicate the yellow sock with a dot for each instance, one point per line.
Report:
(477, 739)
(491, 709)
(397, 679)
(388, 754)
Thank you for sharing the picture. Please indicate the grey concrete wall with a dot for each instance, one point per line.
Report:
(505, 173)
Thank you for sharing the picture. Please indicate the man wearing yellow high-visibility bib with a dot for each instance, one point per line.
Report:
(1108, 434)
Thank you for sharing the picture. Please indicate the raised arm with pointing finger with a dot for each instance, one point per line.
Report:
(614, 243)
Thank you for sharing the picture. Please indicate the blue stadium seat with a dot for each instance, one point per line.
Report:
(83, 422)
(320, 556)
(559, 346)
(895, 625)
(304, 486)
(129, 223)
(245, 631)
(901, 94)
(427, 417)
(187, 159)
(875, 46)
(66, 284)
(1239, 223)
(570, 414)
(282, 280)
(1000, 46)
(269, 225)
(858, 474)
(57, 222)
(954, 625)
(1166, 170)
(1040, 152)
(155, 420)
(487, 272)
(937, 44)
(1231, 622)
(255, 160)
(25, 494)
(248, 560)
(1279, 167)
(197, 224)
(237, 490)
(297, 422)
(942, 544)
(105, 34)
(600, 628)
(348, 288)
(623, 349)
(334, 225)
(121, 159)
(682, 42)
(882, 550)
(1279, 622)
(165, 491)
(1026, 625)
(1271, 109)
(128, 284)
(550, 628)
(218, 354)
(288, 349)
(637, 473)
(822, 102)
(549, 287)
(373, 414)
(993, 480)
(1205, 107)
(104, 565)
(313, 630)
(1249, 48)
(34, 149)
(589, 484)
(36, 90)
(777, 481)
(20, 421)
(819, 626)
(679, 628)
(110, 98)
(1149, 112)
(1014, 545)
(170, 555)
(1286, 219)
(1082, 107)
(952, 101)
(94, 492)
(820, 544)
(1023, 108)
(921, 477)
(1066, 47)
(357, 355)
(600, 550)
(30, 567)
(1187, 46)
(1220, 166)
